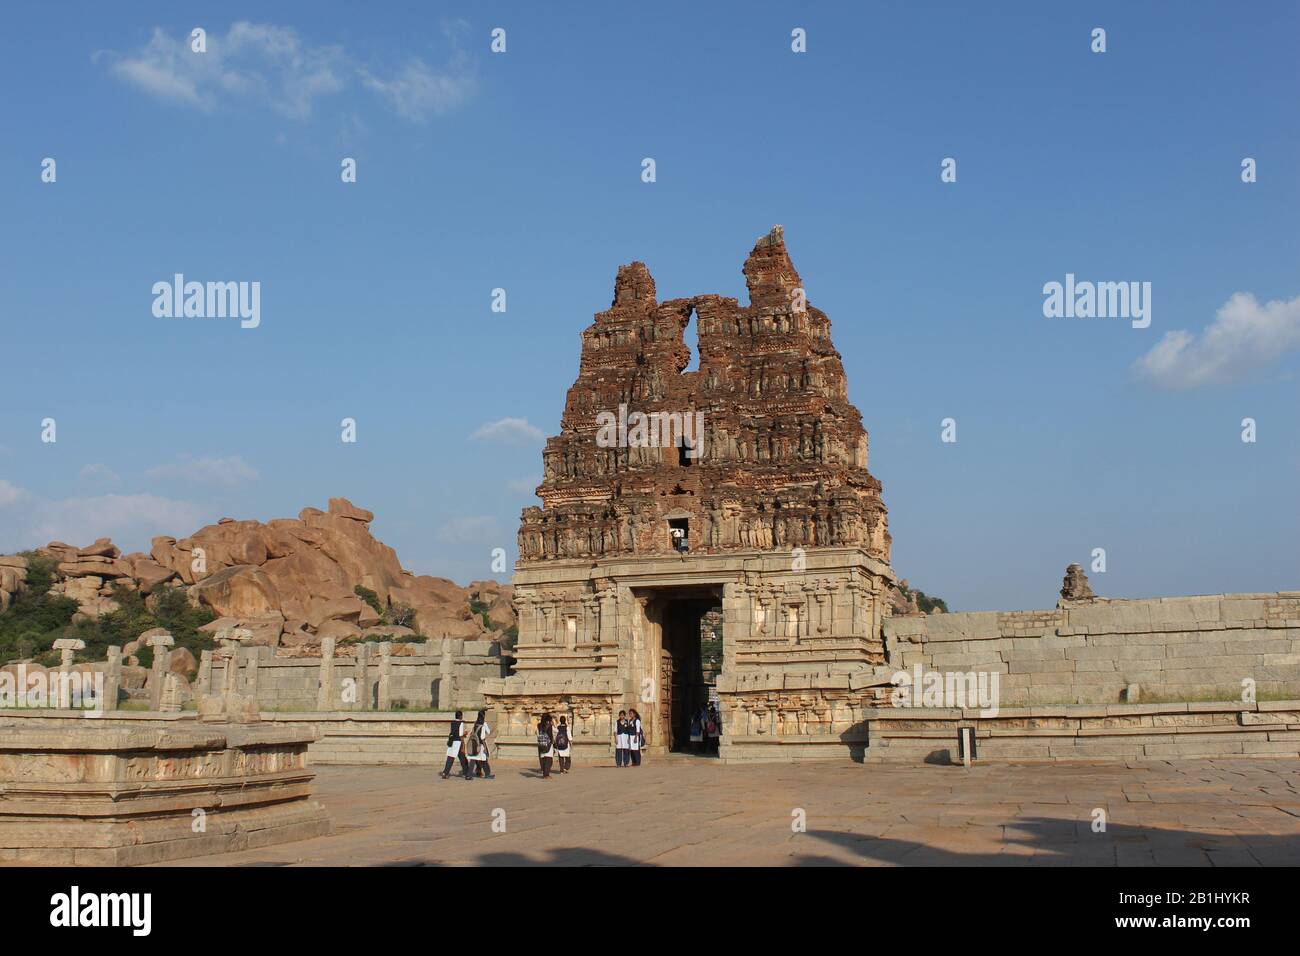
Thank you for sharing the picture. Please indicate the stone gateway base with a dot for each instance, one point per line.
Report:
(802, 653)
(87, 792)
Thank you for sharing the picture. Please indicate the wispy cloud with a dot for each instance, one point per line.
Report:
(99, 472)
(418, 92)
(515, 431)
(227, 472)
(469, 529)
(82, 520)
(1244, 337)
(274, 66)
(9, 492)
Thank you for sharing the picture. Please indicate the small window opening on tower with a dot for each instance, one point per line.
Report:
(679, 534)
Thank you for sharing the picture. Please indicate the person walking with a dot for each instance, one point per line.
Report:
(563, 745)
(545, 745)
(456, 748)
(713, 729)
(635, 737)
(478, 746)
(621, 741)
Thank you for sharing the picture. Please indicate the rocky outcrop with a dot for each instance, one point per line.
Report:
(13, 572)
(286, 583)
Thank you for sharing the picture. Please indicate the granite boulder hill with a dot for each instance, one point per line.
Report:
(285, 583)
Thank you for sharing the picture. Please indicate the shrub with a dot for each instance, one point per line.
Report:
(399, 615)
(924, 601)
(509, 637)
(370, 597)
(35, 618)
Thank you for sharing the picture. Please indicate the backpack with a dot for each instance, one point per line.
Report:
(562, 737)
(543, 741)
(475, 743)
(453, 734)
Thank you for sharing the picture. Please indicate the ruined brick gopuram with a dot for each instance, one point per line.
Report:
(670, 493)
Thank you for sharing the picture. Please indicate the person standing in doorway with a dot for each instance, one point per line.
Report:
(697, 731)
(456, 748)
(563, 745)
(635, 737)
(545, 745)
(478, 746)
(621, 740)
(713, 728)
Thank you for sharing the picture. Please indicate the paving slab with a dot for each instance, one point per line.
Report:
(699, 812)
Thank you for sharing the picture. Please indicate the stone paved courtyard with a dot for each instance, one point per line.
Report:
(695, 812)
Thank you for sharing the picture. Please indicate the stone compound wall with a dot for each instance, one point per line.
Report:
(1089, 732)
(294, 684)
(361, 739)
(1178, 648)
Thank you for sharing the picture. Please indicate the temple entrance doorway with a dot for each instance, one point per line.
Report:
(688, 624)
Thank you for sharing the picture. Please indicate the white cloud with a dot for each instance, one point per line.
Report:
(513, 431)
(418, 92)
(99, 472)
(1243, 338)
(268, 63)
(274, 66)
(82, 520)
(226, 472)
(9, 493)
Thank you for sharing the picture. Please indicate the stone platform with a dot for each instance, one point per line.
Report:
(80, 790)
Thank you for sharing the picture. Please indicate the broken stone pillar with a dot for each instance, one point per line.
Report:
(1075, 587)
(170, 702)
(67, 647)
(112, 678)
(162, 657)
(230, 706)
(363, 677)
(385, 673)
(446, 677)
(325, 691)
(205, 673)
(229, 655)
(250, 679)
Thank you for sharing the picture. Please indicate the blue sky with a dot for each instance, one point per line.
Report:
(522, 170)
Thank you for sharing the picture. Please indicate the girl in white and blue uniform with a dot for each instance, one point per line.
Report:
(634, 738)
(621, 742)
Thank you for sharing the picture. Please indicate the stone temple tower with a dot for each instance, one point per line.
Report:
(737, 493)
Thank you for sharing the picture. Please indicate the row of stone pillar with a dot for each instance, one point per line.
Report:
(355, 691)
(352, 694)
(164, 687)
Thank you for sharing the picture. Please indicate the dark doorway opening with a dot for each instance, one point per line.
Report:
(690, 661)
